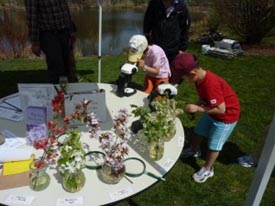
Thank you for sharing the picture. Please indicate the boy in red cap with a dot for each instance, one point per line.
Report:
(219, 105)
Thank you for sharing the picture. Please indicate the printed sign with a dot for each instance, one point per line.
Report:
(97, 105)
(36, 123)
(37, 95)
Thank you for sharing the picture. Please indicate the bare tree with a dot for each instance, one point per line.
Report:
(250, 19)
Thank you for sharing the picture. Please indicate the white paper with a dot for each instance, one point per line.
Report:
(11, 141)
(13, 101)
(7, 155)
(168, 164)
(37, 95)
(98, 104)
(122, 193)
(70, 201)
(19, 200)
(11, 114)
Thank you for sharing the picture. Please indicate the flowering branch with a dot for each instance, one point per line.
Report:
(113, 142)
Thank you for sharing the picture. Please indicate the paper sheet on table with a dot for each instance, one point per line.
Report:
(16, 167)
(11, 140)
(10, 108)
(14, 101)
(11, 114)
(8, 155)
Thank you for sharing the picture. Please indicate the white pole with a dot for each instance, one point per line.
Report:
(264, 169)
(99, 39)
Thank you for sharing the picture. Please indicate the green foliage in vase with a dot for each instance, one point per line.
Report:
(157, 124)
(72, 156)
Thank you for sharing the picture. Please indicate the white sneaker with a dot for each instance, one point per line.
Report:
(188, 152)
(203, 174)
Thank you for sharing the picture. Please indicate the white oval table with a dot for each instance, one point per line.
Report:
(95, 192)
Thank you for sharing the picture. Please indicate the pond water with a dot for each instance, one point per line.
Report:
(117, 28)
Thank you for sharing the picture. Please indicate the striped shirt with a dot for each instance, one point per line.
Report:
(47, 15)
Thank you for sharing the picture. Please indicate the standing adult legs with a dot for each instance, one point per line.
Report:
(55, 45)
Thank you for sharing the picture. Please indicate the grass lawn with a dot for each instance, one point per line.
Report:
(252, 77)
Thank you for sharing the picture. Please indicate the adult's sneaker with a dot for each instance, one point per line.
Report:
(203, 174)
(188, 152)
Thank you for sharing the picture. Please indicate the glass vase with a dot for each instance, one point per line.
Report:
(171, 132)
(74, 182)
(39, 179)
(156, 149)
(112, 174)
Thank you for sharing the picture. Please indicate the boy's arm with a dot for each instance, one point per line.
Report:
(193, 108)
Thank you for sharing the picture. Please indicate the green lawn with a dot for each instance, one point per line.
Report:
(252, 77)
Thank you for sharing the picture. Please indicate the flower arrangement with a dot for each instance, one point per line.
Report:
(157, 124)
(72, 157)
(39, 179)
(113, 142)
(71, 153)
(49, 144)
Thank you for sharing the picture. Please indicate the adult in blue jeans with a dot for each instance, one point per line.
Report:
(220, 107)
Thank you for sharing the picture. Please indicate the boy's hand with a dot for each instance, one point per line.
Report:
(192, 108)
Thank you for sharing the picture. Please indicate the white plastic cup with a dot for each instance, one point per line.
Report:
(205, 48)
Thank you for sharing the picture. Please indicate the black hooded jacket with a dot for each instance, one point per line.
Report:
(170, 33)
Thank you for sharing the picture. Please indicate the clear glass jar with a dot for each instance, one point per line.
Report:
(156, 149)
(171, 132)
(39, 179)
(74, 182)
(111, 174)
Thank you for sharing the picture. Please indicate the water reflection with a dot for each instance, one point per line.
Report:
(117, 28)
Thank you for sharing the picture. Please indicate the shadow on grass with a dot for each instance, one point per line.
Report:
(228, 155)
(10, 79)
(192, 162)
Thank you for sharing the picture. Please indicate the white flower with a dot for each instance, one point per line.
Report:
(67, 148)
(70, 167)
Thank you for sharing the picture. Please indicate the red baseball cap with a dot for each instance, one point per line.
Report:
(182, 64)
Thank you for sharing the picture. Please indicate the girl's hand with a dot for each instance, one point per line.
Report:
(141, 63)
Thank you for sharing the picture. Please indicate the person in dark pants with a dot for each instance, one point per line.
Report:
(52, 31)
(166, 24)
